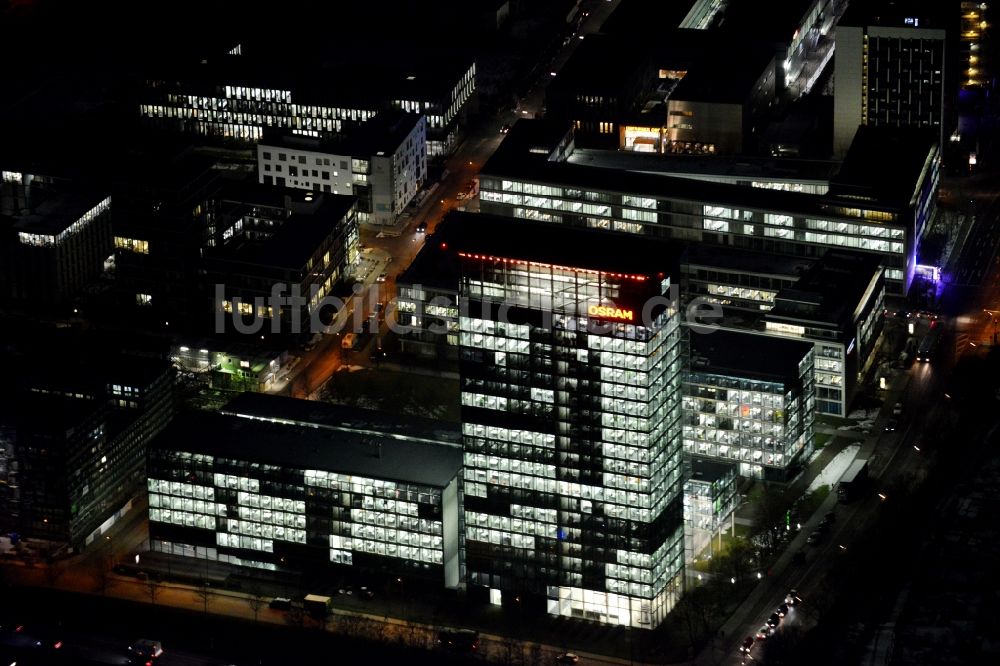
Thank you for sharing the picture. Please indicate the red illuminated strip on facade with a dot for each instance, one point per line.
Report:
(486, 257)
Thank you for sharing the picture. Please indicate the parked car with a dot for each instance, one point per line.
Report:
(792, 598)
(567, 658)
(746, 645)
(774, 620)
(765, 632)
(280, 603)
(897, 409)
(815, 538)
(892, 425)
(782, 610)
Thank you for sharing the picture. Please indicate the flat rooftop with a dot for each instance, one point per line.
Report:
(932, 14)
(329, 415)
(359, 453)
(778, 23)
(721, 77)
(296, 239)
(433, 267)
(884, 163)
(520, 157)
(644, 18)
(710, 470)
(47, 413)
(748, 355)
(382, 134)
(572, 247)
(707, 166)
(58, 212)
(830, 291)
(601, 65)
(744, 261)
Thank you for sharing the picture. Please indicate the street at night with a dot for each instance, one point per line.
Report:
(593, 332)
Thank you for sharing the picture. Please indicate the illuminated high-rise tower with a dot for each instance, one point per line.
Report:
(570, 365)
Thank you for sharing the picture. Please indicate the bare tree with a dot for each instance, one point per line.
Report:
(511, 651)
(153, 587)
(295, 616)
(205, 594)
(255, 600)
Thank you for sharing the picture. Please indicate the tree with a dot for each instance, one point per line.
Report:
(769, 519)
(204, 593)
(255, 600)
(153, 587)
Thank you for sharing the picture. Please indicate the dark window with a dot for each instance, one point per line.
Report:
(293, 171)
(326, 175)
(302, 159)
(267, 156)
(282, 157)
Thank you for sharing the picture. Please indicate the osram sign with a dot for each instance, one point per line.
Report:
(609, 312)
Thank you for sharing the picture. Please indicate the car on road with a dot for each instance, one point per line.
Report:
(792, 598)
(765, 632)
(504, 130)
(815, 538)
(892, 425)
(382, 277)
(422, 227)
(782, 610)
(774, 620)
(829, 519)
(145, 651)
(746, 645)
(459, 640)
(897, 409)
(567, 658)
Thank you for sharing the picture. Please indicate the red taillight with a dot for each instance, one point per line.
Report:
(149, 663)
(57, 645)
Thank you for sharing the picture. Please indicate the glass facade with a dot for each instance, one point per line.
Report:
(276, 517)
(790, 233)
(755, 423)
(708, 504)
(572, 449)
(244, 112)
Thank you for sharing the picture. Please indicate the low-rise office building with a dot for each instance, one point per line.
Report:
(55, 236)
(261, 237)
(427, 299)
(383, 163)
(738, 281)
(288, 485)
(238, 95)
(749, 400)
(873, 206)
(230, 366)
(74, 437)
(159, 220)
